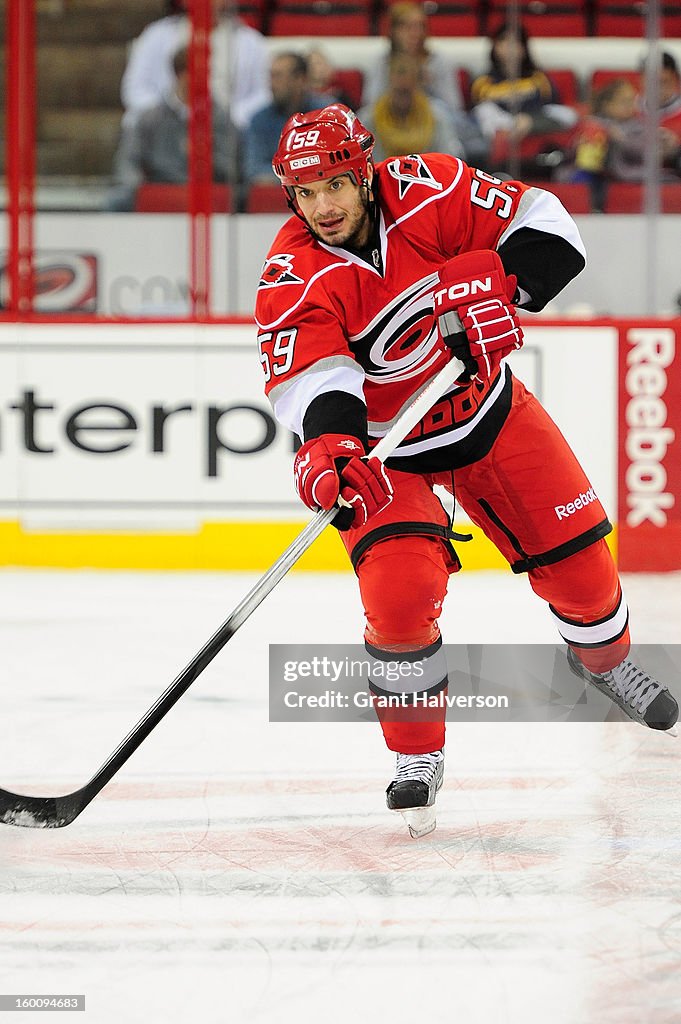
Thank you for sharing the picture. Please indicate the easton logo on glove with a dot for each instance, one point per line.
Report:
(475, 313)
(330, 470)
(463, 289)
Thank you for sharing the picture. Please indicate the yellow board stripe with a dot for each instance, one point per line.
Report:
(234, 546)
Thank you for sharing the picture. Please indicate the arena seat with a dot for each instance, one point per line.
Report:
(624, 197)
(266, 198)
(349, 81)
(253, 13)
(574, 195)
(530, 152)
(565, 81)
(671, 197)
(602, 76)
(321, 18)
(445, 18)
(159, 197)
(544, 17)
(628, 197)
(618, 18)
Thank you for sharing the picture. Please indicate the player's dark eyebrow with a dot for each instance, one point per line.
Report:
(336, 177)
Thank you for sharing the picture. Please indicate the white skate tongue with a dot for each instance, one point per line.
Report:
(420, 820)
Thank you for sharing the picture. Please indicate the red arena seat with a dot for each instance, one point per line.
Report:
(320, 18)
(565, 81)
(545, 17)
(628, 197)
(601, 77)
(350, 82)
(265, 198)
(671, 197)
(446, 18)
(624, 197)
(574, 195)
(253, 13)
(616, 18)
(159, 197)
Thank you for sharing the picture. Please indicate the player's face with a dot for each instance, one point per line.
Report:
(337, 210)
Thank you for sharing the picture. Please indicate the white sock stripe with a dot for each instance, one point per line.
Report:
(595, 633)
(430, 671)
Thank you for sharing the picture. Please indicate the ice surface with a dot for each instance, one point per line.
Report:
(239, 871)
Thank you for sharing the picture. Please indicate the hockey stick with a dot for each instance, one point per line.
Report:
(57, 811)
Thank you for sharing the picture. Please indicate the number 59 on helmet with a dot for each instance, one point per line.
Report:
(321, 144)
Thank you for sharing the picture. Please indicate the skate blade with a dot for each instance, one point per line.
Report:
(420, 820)
(672, 733)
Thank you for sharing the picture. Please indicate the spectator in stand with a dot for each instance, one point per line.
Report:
(515, 97)
(610, 142)
(669, 96)
(321, 73)
(240, 85)
(408, 35)
(154, 147)
(291, 93)
(405, 119)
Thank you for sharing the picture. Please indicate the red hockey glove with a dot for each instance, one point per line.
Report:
(474, 311)
(331, 467)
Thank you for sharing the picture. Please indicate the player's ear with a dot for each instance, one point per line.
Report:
(370, 173)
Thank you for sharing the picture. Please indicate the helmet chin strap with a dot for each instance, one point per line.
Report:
(372, 197)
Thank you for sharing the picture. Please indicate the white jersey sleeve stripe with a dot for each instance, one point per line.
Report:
(291, 399)
(543, 211)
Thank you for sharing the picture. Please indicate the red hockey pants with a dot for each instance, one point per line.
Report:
(531, 498)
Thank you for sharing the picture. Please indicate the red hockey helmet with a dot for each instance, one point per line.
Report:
(321, 144)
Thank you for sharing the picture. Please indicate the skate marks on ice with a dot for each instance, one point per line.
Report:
(568, 872)
(192, 889)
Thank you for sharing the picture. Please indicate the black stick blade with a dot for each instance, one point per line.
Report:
(40, 811)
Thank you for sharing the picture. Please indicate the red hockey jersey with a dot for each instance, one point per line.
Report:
(330, 321)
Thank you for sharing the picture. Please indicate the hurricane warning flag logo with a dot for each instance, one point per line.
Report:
(412, 170)
(278, 270)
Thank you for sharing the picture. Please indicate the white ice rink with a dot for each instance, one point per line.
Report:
(239, 871)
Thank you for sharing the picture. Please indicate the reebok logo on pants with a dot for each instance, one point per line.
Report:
(581, 501)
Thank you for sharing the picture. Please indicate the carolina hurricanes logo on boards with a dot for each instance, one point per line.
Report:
(412, 170)
(278, 270)
(64, 281)
(402, 341)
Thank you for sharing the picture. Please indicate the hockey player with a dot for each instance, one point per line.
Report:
(384, 271)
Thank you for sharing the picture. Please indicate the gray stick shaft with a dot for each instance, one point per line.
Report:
(434, 390)
(55, 812)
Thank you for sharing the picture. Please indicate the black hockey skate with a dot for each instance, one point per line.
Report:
(417, 779)
(641, 697)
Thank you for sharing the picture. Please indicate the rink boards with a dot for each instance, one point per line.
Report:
(147, 445)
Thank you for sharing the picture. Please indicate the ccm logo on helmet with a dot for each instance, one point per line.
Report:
(460, 291)
(304, 161)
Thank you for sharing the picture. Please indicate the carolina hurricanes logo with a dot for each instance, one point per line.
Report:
(412, 170)
(63, 281)
(402, 341)
(278, 270)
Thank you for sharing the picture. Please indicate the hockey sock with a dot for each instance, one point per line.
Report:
(408, 689)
